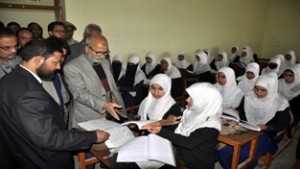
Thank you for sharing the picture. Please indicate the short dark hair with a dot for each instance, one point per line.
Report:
(2, 26)
(39, 47)
(53, 24)
(62, 43)
(13, 23)
(6, 33)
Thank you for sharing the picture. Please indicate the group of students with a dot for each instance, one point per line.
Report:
(263, 100)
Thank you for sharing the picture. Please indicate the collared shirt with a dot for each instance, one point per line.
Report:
(33, 74)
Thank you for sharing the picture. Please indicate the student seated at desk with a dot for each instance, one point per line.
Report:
(182, 63)
(247, 81)
(289, 87)
(201, 67)
(117, 69)
(196, 136)
(226, 84)
(151, 67)
(156, 106)
(159, 103)
(268, 110)
(174, 74)
(133, 83)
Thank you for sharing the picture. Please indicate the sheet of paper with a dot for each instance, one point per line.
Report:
(140, 124)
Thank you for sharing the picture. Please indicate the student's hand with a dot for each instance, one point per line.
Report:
(109, 107)
(102, 136)
(154, 130)
(173, 118)
(235, 110)
(263, 127)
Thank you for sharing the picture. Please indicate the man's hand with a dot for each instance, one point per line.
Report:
(102, 136)
(109, 107)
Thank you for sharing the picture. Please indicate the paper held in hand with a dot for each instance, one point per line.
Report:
(147, 148)
(230, 114)
(143, 124)
(118, 134)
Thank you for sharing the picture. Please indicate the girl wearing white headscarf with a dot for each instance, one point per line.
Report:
(247, 81)
(151, 67)
(117, 69)
(273, 66)
(234, 56)
(174, 74)
(290, 58)
(265, 108)
(182, 62)
(222, 60)
(201, 67)
(133, 83)
(246, 57)
(196, 136)
(226, 84)
(156, 106)
(289, 87)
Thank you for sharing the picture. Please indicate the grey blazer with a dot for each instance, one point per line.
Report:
(15, 62)
(87, 89)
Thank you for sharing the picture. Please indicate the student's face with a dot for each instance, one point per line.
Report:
(180, 57)
(197, 58)
(288, 57)
(244, 54)
(260, 92)
(289, 76)
(8, 47)
(233, 50)
(221, 78)
(58, 31)
(164, 65)
(50, 65)
(220, 57)
(157, 91)
(189, 101)
(148, 60)
(24, 37)
(250, 75)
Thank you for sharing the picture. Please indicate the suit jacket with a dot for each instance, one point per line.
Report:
(16, 61)
(32, 131)
(88, 92)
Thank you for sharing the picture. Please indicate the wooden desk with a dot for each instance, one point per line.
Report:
(237, 141)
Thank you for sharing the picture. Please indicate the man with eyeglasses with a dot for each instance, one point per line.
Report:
(57, 29)
(92, 84)
(8, 52)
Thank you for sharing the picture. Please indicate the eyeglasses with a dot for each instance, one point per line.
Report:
(99, 53)
(9, 47)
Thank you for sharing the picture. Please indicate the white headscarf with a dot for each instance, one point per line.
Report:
(249, 56)
(290, 90)
(205, 110)
(139, 75)
(276, 70)
(150, 66)
(223, 63)
(245, 84)
(172, 71)
(232, 56)
(120, 59)
(231, 93)
(282, 66)
(182, 64)
(153, 108)
(292, 61)
(209, 57)
(261, 110)
(201, 66)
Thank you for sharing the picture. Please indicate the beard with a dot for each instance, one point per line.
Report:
(44, 74)
(91, 58)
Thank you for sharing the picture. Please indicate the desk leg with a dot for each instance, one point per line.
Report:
(253, 148)
(236, 156)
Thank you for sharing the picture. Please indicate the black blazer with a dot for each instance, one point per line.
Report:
(32, 130)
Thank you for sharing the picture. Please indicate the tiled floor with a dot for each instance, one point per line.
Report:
(283, 161)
